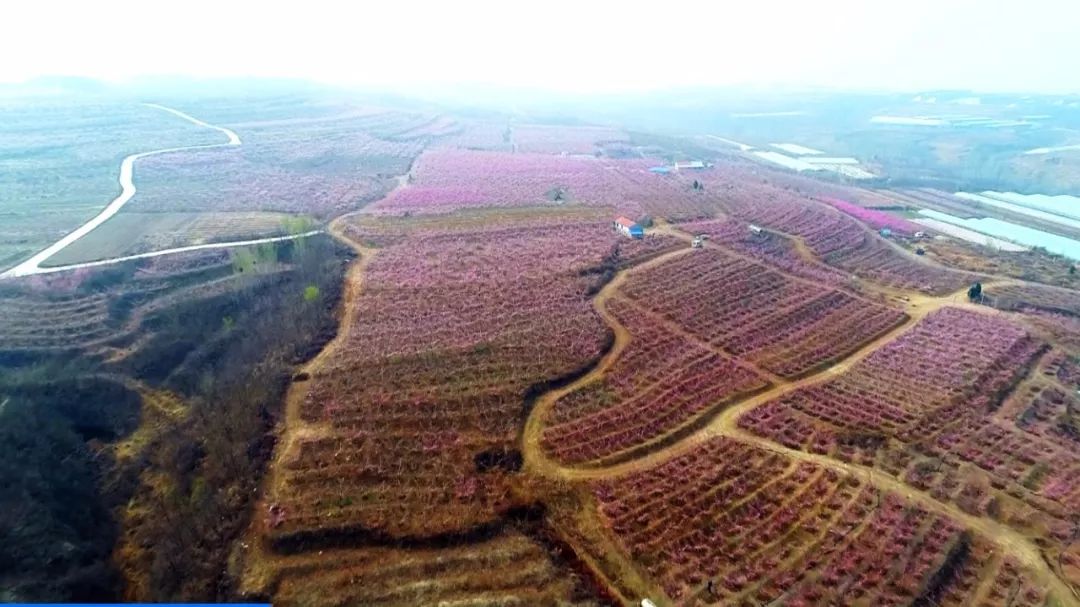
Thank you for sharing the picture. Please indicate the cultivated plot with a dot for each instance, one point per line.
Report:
(732, 524)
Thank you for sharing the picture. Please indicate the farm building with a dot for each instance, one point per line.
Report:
(660, 170)
(692, 164)
(629, 227)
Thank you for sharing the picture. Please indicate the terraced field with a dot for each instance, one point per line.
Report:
(440, 469)
(750, 427)
(564, 140)
(509, 568)
(58, 313)
(660, 382)
(836, 239)
(733, 524)
(785, 326)
(720, 516)
(522, 407)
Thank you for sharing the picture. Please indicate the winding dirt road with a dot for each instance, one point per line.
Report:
(295, 427)
(32, 266)
(533, 452)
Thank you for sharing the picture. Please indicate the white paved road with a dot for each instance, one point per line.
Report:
(194, 247)
(127, 190)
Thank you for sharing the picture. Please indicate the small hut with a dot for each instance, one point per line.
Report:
(629, 227)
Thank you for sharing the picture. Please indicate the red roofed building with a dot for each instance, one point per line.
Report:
(629, 227)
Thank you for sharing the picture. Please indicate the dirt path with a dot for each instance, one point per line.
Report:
(294, 427)
(1008, 539)
(728, 418)
(670, 230)
(257, 560)
(532, 450)
(917, 307)
(803, 250)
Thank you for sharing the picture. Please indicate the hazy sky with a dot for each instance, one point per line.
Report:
(576, 45)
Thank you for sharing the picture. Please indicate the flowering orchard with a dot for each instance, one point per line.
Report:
(1034, 297)
(629, 252)
(446, 180)
(923, 370)
(806, 185)
(660, 382)
(453, 326)
(509, 568)
(728, 523)
(873, 217)
(480, 135)
(323, 167)
(1060, 329)
(928, 408)
(844, 244)
(770, 248)
(954, 360)
(837, 239)
(436, 127)
(402, 126)
(785, 325)
(57, 311)
(227, 180)
(480, 297)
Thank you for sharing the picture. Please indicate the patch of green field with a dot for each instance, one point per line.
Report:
(12, 254)
(133, 233)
